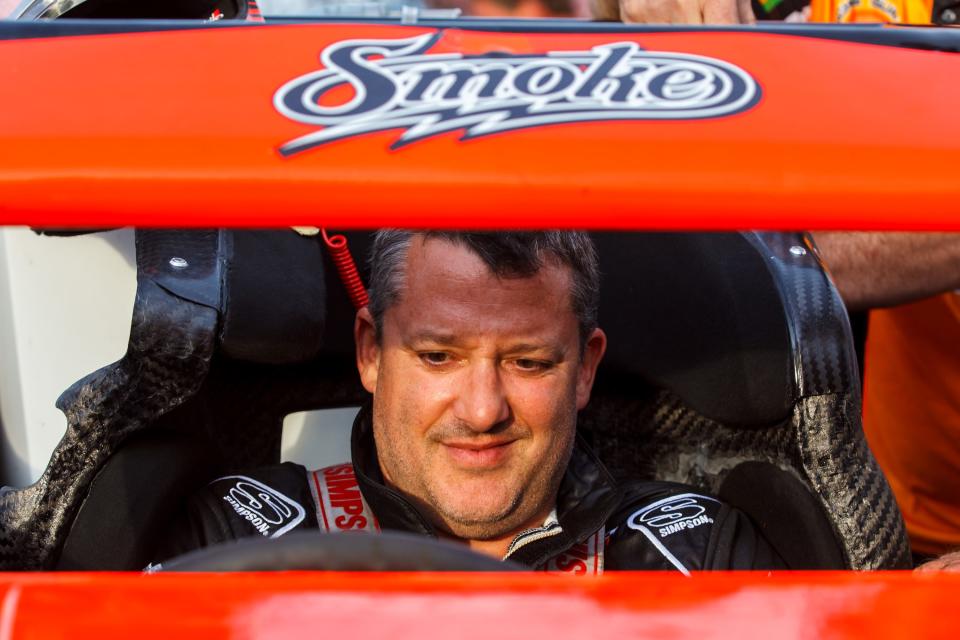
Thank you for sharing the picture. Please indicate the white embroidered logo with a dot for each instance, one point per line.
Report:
(672, 514)
(270, 512)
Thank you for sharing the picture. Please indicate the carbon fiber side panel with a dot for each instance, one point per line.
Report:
(848, 480)
(823, 344)
(653, 435)
(171, 344)
(836, 458)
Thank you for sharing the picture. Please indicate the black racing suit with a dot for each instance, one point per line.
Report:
(597, 525)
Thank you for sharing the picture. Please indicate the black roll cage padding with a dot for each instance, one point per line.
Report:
(315, 551)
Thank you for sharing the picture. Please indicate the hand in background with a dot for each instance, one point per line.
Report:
(675, 11)
(949, 562)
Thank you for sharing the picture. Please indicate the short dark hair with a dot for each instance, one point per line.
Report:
(508, 254)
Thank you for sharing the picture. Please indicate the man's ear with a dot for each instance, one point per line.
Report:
(593, 351)
(368, 349)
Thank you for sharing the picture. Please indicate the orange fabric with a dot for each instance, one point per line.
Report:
(901, 11)
(912, 414)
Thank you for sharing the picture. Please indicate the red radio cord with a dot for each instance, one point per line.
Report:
(347, 268)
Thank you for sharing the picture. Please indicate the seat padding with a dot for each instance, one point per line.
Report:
(274, 298)
(787, 513)
(131, 500)
(698, 314)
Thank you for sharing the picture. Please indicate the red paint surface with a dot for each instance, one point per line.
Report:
(497, 606)
(129, 129)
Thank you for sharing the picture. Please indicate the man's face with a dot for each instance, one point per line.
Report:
(476, 382)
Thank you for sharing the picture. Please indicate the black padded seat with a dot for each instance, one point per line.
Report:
(136, 493)
(729, 368)
(728, 353)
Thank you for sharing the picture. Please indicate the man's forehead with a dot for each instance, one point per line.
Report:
(434, 256)
(447, 289)
(440, 266)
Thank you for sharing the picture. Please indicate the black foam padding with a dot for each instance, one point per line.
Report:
(241, 406)
(131, 500)
(185, 263)
(699, 314)
(787, 513)
(274, 304)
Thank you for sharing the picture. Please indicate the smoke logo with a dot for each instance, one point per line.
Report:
(399, 85)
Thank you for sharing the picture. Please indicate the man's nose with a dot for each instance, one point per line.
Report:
(481, 401)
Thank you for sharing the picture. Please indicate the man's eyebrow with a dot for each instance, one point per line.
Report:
(531, 347)
(524, 347)
(427, 337)
(434, 338)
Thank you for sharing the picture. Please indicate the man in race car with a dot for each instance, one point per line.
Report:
(478, 350)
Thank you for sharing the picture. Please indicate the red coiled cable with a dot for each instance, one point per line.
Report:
(347, 268)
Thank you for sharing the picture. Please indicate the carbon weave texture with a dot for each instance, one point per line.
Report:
(823, 344)
(104, 409)
(826, 346)
(653, 435)
(843, 471)
(836, 457)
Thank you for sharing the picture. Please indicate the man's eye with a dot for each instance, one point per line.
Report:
(532, 366)
(435, 357)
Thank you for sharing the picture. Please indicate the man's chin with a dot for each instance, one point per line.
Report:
(480, 523)
(482, 531)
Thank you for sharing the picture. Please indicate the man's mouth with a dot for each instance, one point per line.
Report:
(478, 455)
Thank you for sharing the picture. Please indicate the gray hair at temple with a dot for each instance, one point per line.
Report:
(508, 254)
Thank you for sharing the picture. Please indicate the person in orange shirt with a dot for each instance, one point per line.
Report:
(912, 370)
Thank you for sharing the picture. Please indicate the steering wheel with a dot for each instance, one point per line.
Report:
(306, 551)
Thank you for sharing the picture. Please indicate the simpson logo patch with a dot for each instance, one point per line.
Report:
(270, 512)
(340, 505)
(671, 515)
(398, 84)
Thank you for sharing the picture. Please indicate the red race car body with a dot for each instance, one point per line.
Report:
(806, 127)
(474, 124)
